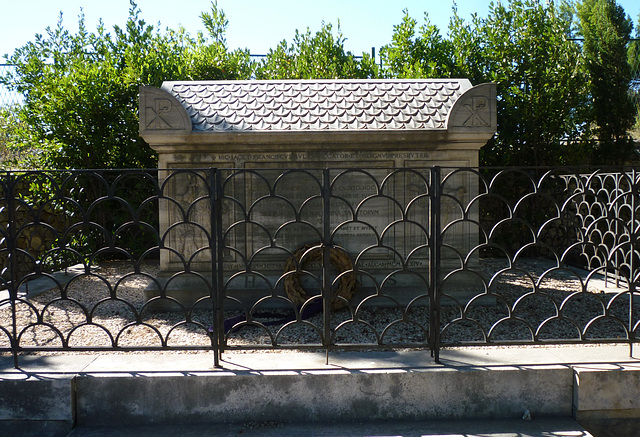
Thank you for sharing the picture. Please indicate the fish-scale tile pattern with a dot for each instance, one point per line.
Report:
(318, 105)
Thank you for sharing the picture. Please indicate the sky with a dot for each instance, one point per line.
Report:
(254, 24)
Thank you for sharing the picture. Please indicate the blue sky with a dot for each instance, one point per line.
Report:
(254, 24)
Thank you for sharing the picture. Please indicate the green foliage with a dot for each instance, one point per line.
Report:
(547, 105)
(526, 49)
(18, 143)
(606, 30)
(633, 53)
(212, 60)
(216, 24)
(81, 89)
(556, 98)
(319, 56)
(427, 55)
(634, 62)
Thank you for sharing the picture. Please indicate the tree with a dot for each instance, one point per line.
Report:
(634, 53)
(319, 56)
(634, 62)
(16, 142)
(427, 55)
(81, 90)
(606, 30)
(212, 60)
(525, 47)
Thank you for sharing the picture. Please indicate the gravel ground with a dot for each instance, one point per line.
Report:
(111, 298)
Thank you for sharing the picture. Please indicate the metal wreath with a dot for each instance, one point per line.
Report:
(340, 260)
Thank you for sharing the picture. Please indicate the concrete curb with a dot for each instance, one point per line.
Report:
(324, 396)
(593, 384)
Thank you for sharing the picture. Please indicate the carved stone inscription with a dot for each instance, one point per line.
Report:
(478, 112)
(187, 211)
(475, 110)
(459, 189)
(293, 212)
(372, 210)
(157, 114)
(160, 112)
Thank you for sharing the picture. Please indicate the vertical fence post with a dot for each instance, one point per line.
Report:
(633, 237)
(435, 241)
(326, 261)
(12, 261)
(216, 245)
(617, 187)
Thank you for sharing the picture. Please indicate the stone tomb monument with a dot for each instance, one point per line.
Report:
(309, 124)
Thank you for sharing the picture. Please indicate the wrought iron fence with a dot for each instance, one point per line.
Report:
(224, 259)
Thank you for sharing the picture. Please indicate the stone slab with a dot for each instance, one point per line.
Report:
(606, 398)
(35, 399)
(607, 387)
(477, 380)
(337, 395)
(36, 428)
(557, 427)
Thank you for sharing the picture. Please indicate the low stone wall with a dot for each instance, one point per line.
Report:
(601, 398)
(605, 399)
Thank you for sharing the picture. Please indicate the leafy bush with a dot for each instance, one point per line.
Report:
(319, 56)
(81, 90)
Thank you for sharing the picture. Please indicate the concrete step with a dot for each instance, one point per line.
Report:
(595, 385)
(546, 427)
(556, 427)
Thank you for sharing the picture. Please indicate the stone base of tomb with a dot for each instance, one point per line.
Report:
(190, 290)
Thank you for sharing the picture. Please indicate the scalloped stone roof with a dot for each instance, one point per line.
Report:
(318, 105)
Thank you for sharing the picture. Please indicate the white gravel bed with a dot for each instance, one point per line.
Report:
(112, 297)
